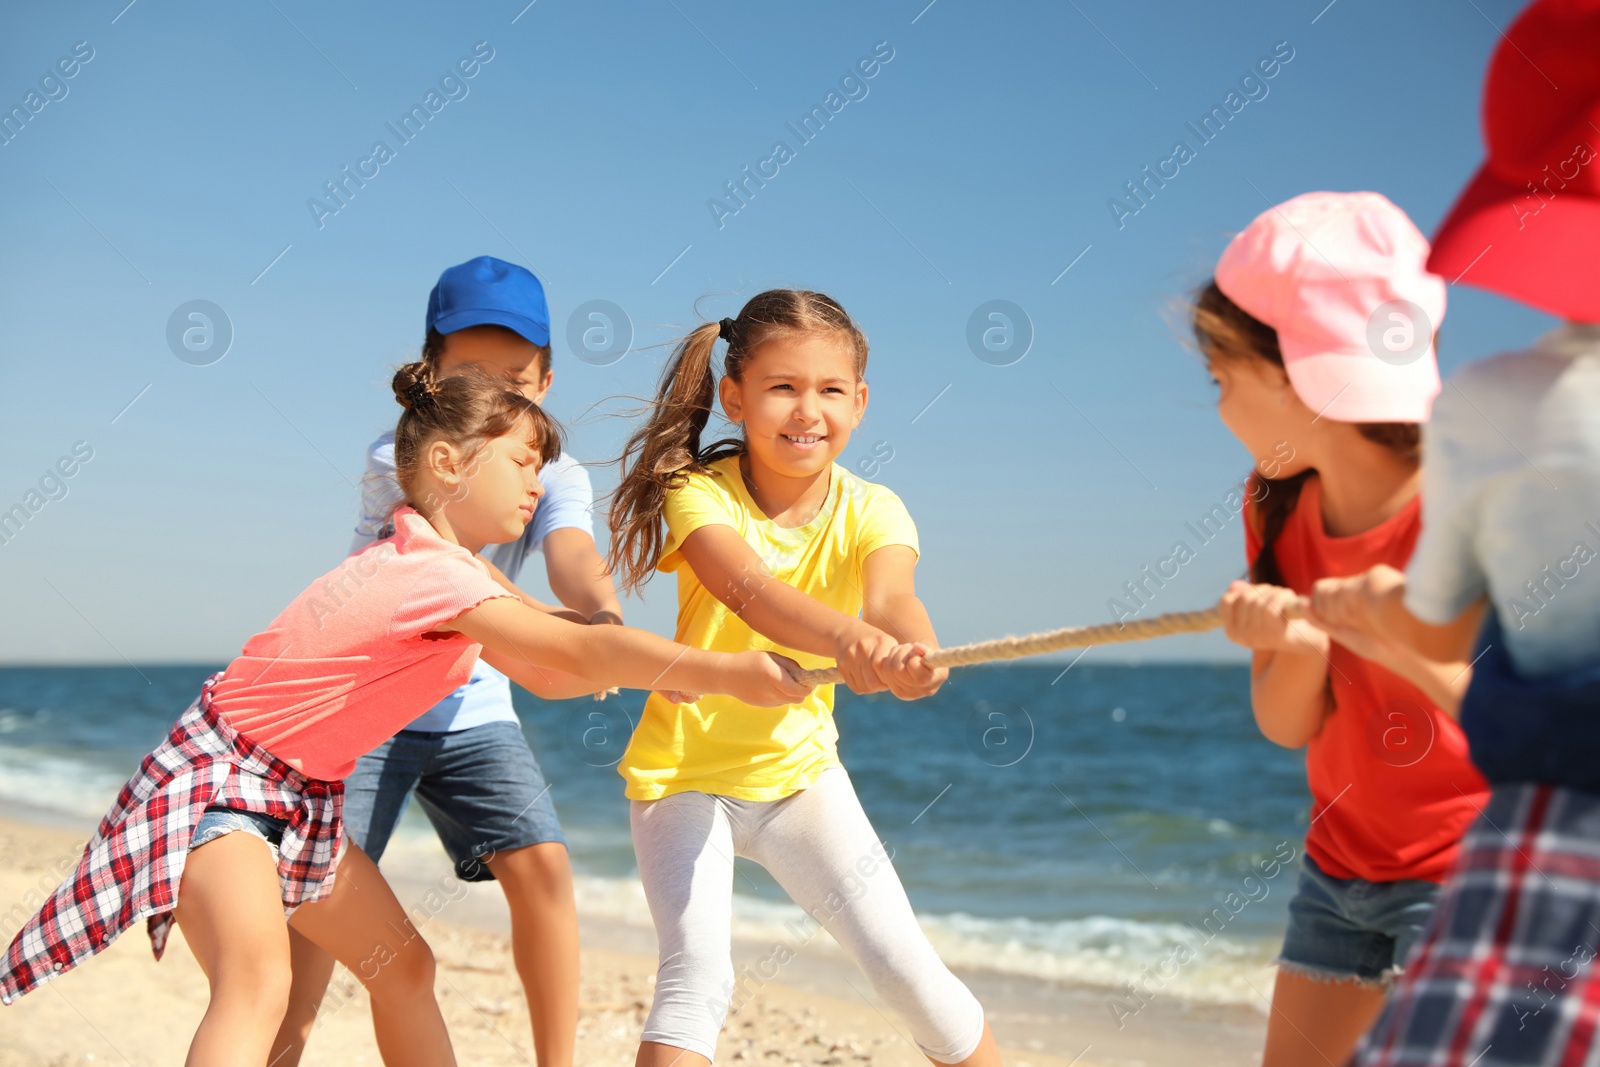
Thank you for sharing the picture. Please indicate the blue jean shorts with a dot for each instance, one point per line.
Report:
(1352, 929)
(217, 821)
(481, 788)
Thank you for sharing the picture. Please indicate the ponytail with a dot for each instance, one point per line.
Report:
(660, 454)
(1275, 502)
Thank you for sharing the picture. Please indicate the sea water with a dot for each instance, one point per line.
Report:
(1078, 824)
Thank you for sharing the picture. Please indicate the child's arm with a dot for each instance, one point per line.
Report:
(1289, 668)
(891, 604)
(561, 613)
(733, 573)
(1442, 683)
(578, 576)
(543, 682)
(525, 643)
(1375, 602)
(1367, 614)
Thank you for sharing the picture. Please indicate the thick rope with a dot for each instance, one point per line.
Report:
(1003, 648)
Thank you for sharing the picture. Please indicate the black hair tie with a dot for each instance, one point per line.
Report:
(725, 329)
(417, 392)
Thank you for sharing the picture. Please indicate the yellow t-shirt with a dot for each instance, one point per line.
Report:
(721, 745)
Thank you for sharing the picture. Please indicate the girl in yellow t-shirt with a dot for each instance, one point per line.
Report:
(776, 548)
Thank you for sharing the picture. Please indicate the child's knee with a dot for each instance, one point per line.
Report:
(540, 873)
(261, 980)
(403, 971)
(416, 967)
(696, 988)
(944, 1017)
(273, 996)
(554, 867)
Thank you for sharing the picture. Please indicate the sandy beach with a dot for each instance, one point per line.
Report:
(123, 1007)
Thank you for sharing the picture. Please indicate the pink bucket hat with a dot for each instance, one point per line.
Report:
(1343, 279)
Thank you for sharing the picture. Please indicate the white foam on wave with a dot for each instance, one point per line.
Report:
(59, 783)
(1167, 958)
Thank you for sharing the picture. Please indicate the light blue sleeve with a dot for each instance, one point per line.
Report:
(380, 493)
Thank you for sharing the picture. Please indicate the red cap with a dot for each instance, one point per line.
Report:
(1528, 225)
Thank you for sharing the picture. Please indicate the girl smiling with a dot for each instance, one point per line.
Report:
(777, 548)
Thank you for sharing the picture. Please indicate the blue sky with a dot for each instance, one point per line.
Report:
(976, 164)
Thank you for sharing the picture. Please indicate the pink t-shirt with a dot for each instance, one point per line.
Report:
(351, 660)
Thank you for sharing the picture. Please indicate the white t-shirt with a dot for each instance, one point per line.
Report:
(567, 503)
(1511, 501)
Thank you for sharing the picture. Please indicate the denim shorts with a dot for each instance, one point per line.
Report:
(1349, 928)
(480, 787)
(217, 821)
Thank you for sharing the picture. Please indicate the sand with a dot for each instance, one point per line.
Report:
(122, 1007)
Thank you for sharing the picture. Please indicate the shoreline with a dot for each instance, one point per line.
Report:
(125, 1007)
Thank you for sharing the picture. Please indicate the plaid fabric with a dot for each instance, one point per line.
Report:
(1505, 973)
(132, 866)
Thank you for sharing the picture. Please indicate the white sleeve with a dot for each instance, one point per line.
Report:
(380, 494)
(1445, 574)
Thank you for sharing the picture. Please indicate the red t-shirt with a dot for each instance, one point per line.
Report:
(1392, 787)
(351, 660)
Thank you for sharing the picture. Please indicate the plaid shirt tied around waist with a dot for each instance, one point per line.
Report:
(132, 866)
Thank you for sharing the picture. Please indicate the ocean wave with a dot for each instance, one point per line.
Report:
(62, 783)
(1174, 959)
(1182, 960)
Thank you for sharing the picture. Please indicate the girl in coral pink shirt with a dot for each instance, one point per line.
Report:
(233, 822)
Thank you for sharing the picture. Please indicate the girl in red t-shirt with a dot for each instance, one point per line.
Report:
(234, 821)
(1318, 328)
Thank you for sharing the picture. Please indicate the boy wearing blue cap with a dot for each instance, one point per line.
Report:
(467, 760)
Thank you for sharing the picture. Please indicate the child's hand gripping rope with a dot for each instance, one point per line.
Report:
(1269, 618)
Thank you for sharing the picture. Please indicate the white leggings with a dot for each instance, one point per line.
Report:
(819, 846)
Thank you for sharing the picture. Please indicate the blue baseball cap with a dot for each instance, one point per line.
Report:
(490, 292)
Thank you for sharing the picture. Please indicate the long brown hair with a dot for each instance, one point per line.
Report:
(667, 447)
(1225, 331)
(467, 410)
